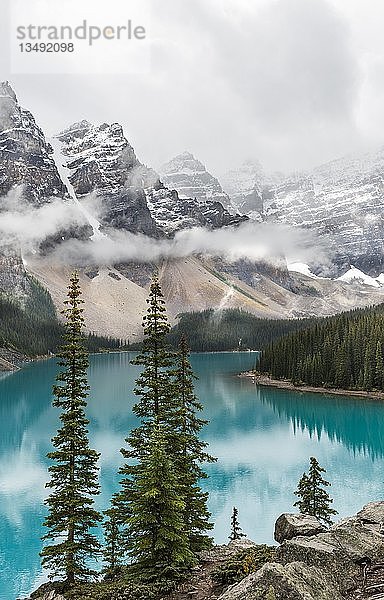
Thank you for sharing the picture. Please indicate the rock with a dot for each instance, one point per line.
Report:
(190, 178)
(339, 552)
(324, 566)
(296, 581)
(289, 526)
(224, 552)
(48, 591)
(372, 513)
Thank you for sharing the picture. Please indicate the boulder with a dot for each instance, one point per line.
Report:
(48, 591)
(226, 551)
(339, 552)
(289, 526)
(372, 513)
(296, 581)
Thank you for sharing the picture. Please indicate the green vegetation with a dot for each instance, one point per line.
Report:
(231, 329)
(74, 474)
(243, 563)
(313, 498)
(344, 351)
(236, 531)
(161, 511)
(190, 452)
(33, 329)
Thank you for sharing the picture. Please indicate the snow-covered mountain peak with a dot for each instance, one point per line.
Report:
(190, 178)
(6, 91)
(244, 186)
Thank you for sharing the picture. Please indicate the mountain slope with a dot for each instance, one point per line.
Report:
(341, 200)
(101, 161)
(244, 188)
(25, 156)
(189, 177)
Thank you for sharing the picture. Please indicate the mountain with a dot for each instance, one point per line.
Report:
(95, 169)
(341, 200)
(101, 161)
(191, 179)
(244, 186)
(25, 156)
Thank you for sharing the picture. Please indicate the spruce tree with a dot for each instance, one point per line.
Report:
(113, 541)
(236, 531)
(191, 452)
(157, 542)
(314, 499)
(155, 389)
(74, 474)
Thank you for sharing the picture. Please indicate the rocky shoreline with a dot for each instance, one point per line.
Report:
(344, 562)
(285, 384)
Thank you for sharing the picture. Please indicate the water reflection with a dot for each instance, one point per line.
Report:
(263, 438)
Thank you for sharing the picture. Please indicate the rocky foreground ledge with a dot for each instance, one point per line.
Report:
(344, 562)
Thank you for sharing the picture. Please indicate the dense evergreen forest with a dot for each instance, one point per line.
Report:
(344, 351)
(231, 329)
(33, 328)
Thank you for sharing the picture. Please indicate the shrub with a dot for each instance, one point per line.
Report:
(242, 564)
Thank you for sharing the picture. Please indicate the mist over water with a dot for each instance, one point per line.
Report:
(262, 437)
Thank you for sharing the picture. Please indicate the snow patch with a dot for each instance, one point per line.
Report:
(355, 275)
(60, 161)
(298, 267)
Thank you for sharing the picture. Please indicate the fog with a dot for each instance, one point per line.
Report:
(27, 226)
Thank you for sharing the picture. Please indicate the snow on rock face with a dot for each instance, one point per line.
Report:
(244, 186)
(25, 156)
(355, 275)
(101, 160)
(342, 200)
(299, 267)
(190, 178)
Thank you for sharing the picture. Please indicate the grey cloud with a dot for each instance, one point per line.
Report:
(277, 80)
(251, 241)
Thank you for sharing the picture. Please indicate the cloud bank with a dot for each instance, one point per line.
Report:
(26, 227)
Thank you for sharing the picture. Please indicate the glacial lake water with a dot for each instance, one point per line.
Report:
(262, 437)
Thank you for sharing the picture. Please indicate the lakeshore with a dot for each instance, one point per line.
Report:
(285, 384)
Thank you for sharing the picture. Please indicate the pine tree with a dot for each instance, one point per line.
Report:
(113, 548)
(379, 371)
(191, 452)
(155, 389)
(158, 540)
(314, 500)
(236, 531)
(74, 474)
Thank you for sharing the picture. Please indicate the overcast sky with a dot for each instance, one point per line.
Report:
(292, 83)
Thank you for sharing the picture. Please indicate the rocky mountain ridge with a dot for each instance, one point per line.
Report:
(190, 178)
(341, 200)
(95, 169)
(133, 198)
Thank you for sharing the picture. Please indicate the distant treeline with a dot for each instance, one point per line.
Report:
(34, 329)
(344, 351)
(231, 329)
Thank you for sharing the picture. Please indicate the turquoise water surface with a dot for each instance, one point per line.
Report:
(262, 437)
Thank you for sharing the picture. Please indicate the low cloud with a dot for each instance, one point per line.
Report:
(252, 241)
(26, 226)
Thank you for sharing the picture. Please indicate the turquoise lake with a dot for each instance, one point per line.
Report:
(262, 437)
